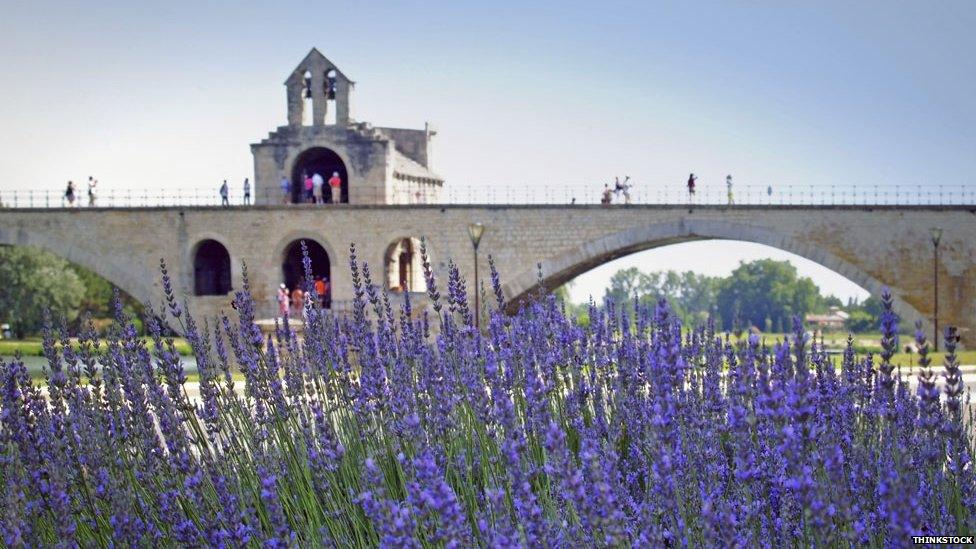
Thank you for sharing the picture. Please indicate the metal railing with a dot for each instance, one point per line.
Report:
(640, 194)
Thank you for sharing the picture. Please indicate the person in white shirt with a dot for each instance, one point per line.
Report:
(728, 186)
(247, 191)
(317, 183)
(623, 187)
(92, 183)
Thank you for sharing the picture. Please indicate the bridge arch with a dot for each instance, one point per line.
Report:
(116, 270)
(403, 266)
(288, 256)
(563, 267)
(211, 268)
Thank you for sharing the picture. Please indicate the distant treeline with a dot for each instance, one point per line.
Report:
(32, 281)
(765, 294)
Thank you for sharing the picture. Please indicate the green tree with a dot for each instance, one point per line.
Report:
(861, 321)
(865, 316)
(626, 284)
(690, 295)
(766, 289)
(98, 301)
(31, 281)
(579, 311)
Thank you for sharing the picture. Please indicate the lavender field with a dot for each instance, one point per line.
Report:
(398, 429)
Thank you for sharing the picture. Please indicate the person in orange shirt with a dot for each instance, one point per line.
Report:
(320, 289)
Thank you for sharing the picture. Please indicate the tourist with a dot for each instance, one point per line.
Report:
(691, 187)
(92, 183)
(223, 194)
(285, 190)
(297, 299)
(247, 191)
(769, 191)
(69, 193)
(317, 183)
(728, 186)
(320, 289)
(607, 195)
(309, 185)
(623, 187)
(282, 300)
(326, 293)
(335, 182)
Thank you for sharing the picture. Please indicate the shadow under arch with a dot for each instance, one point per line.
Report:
(118, 274)
(211, 268)
(566, 266)
(403, 267)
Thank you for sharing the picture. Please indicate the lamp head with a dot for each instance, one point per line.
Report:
(936, 235)
(475, 230)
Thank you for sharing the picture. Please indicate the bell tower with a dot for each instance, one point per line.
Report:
(374, 165)
(317, 83)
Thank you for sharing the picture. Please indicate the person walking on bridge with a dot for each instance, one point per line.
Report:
(691, 188)
(309, 185)
(247, 191)
(317, 183)
(223, 194)
(623, 187)
(69, 194)
(285, 190)
(335, 182)
(92, 183)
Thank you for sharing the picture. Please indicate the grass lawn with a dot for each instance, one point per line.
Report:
(911, 359)
(32, 346)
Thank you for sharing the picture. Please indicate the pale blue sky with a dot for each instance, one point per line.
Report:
(852, 95)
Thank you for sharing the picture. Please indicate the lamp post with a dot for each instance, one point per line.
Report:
(475, 230)
(936, 238)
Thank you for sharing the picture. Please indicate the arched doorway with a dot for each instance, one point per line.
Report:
(404, 269)
(211, 269)
(323, 161)
(293, 271)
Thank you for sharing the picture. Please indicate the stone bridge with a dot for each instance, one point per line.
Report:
(873, 246)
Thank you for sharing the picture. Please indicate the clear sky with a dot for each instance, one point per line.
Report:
(169, 95)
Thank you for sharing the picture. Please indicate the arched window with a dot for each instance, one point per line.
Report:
(307, 100)
(404, 268)
(293, 270)
(329, 86)
(211, 269)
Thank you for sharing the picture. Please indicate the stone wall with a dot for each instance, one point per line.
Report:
(367, 158)
(872, 246)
